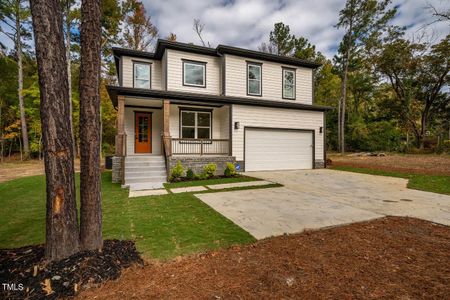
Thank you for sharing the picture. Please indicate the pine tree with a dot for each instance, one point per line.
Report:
(90, 189)
(62, 234)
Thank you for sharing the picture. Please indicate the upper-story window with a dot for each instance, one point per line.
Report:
(289, 83)
(194, 73)
(141, 74)
(254, 79)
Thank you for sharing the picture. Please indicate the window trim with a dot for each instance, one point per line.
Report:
(193, 62)
(255, 64)
(293, 70)
(138, 62)
(196, 111)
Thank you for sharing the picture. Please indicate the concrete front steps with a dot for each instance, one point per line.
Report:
(145, 172)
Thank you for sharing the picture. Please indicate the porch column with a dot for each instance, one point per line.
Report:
(166, 110)
(166, 128)
(118, 170)
(120, 126)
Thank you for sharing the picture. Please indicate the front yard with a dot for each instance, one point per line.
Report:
(163, 226)
(388, 258)
(383, 258)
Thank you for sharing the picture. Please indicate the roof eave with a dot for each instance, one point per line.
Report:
(114, 91)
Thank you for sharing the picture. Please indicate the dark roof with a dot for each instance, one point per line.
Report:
(223, 49)
(162, 45)
(114, 91)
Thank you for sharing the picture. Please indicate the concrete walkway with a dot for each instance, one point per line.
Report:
(312, 199)
(190, 189)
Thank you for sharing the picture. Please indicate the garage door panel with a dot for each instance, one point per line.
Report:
(277, 149)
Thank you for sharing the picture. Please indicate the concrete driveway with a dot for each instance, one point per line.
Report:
(312, 199)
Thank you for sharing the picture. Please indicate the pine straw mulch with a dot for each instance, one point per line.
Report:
(407, 163)
(392, 257)
(67, 277)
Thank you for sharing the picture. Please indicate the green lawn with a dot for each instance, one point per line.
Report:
(240, 178)
(429, 183)
(163, 226)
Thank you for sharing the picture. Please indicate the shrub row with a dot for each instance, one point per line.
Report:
(209, 171)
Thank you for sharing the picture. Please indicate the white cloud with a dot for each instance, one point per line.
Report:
(247, 23)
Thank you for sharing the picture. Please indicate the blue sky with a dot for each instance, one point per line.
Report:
(247, 23)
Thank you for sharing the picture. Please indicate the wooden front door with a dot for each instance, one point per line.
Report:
(143, 130)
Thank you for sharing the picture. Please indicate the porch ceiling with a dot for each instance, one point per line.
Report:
(144, 102)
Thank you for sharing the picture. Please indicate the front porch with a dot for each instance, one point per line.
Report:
(189, 132)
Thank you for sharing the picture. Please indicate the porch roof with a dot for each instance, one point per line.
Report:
(115, 91)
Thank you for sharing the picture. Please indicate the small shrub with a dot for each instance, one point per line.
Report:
(444, 147)
(176, 172)
(201, 176)
(209, 170)
(190, 174)
(230, 170)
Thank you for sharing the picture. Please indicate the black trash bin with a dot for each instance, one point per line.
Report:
(108, 162)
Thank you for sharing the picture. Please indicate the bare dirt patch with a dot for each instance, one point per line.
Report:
(408, 163)
(13, 168)
(387, 258)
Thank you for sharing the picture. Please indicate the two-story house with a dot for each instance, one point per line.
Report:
(200, 105)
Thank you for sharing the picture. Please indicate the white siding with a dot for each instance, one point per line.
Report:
(236, 80)
(164, 71)
(157, 123)
(254, 116)
(175, 72)
(127, 72)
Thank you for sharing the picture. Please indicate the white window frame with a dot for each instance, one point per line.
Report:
(196, 126)
(194, 63)
(149, 65)
(249, 64)
(293, 71)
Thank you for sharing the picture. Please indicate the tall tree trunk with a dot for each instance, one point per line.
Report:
(23, 121)
(423, 130)
(69, 72)
(339, 122)
(62, 234)
(343, 104)
(2, 140)
(90, 192)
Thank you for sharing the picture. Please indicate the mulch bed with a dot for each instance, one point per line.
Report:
(185, 179)
(388, 258)
(27, 266)
(414, 164)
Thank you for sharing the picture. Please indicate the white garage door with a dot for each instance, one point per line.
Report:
(278, 149)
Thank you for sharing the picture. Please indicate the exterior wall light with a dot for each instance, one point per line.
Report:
(321, 129)
(237, 125)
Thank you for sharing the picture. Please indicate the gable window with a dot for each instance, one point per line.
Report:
(253, 79)
(141, 74)
(194, 73)
(195, 124)
(289, 83)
